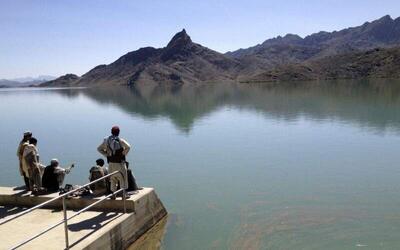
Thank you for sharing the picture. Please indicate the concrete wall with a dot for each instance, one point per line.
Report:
(148, 211)
(144, 211)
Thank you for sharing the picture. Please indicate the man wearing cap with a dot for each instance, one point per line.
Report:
(20, 151)
(116, 149)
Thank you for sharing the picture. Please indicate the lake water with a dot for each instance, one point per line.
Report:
(287, 166)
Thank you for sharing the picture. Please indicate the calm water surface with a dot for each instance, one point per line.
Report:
(289, 166)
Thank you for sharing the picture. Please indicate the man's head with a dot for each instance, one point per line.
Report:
(115, 130)
(100, 162)
(33, 141)
(54, 162)
(27, 135)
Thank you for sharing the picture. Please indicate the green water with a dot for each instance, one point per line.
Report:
(288, 166)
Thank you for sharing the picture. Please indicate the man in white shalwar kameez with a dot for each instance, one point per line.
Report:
(116, 149)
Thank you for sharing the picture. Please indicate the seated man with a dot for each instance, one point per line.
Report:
(101, 187)
(53, 176)
(132, 186)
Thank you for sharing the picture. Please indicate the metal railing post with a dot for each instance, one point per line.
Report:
(65, 223)
(124, 199)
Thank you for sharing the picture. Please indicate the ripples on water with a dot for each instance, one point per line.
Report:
(266, 166)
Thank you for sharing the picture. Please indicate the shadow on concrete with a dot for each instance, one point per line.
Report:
(22, 190)
(10, 210)
(19, 188)
(93, 224)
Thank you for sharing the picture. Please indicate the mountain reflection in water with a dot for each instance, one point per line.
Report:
(373, 104)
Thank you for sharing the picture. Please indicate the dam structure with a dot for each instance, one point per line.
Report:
(54, 221)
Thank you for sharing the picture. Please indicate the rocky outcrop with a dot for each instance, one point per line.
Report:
(292, 49)
(63, 81)
(375, 63)
(181, 61)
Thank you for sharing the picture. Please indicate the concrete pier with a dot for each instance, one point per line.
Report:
(106, 227)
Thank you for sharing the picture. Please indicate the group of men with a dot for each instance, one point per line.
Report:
(37, 177)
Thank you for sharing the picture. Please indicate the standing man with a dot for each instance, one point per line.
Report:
(32, 166)
(116, 149)
(20, 151)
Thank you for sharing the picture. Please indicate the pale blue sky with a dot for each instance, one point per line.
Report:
(55, 37)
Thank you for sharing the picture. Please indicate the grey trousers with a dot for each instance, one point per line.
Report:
(35, 178)
(118, 178)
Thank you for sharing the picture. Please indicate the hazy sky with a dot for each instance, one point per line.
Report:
(55, 37)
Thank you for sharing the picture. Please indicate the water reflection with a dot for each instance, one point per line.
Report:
(373, 104)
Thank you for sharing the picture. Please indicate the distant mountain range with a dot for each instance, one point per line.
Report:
(349, 53)
(25, 81)
(374, 63)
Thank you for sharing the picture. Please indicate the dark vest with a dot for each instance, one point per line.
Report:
(49, 179)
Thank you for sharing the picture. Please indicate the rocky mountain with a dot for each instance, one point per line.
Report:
(375, 63)
(290, 57)
(181, 61)
(383, 33)
(62, 81)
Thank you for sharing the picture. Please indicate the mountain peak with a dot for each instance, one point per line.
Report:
(292, 38)
(385, 18)
(180, 39)
(381, 21)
